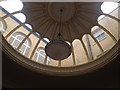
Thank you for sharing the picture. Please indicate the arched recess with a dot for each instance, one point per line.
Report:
(93, 46)
(111, 25)
(16, 39)
(40, 56)
(87, 47)
(67, 62)
(70, 61)
(80, 54)
(104, 38)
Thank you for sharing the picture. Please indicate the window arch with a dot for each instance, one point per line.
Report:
(3, 26)
(15, 41)
(110, 7)
(40, 56)
(98, 33)
(12, 5)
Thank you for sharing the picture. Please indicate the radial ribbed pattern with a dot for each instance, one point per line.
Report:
(77, 18)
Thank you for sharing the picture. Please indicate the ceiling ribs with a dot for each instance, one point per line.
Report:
(77, 33)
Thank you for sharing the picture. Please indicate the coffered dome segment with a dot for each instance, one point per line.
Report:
(77, 18)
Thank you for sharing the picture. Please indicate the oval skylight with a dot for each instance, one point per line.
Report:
(101, 17)
(46, 39)
(21, 17)
(29, 26)
(12, 5)
(37, 34)
(108, 7)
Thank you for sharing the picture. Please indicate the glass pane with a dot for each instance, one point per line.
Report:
(11, 40)
(22, 49)
(40, 59)
(16, 43)
(42, 53)
(20, 38)
(40, 56)
(101, 37)
(27, 51)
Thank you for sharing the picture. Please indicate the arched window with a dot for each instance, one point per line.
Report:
(15, 41)
(12, 5)
(99, 34)
(40, 56)
(3, 26)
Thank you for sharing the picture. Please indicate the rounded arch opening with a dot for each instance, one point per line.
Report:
(29, 26)
(41, 57)
(21, 17)
(110, 7)
(12, 5)
(46, 40)
(16, 40)
(100, 17)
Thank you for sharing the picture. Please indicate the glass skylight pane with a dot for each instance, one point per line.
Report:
(29, 26)
(100, 17)
(46, 39)
(108, 7)
(21, 17)
(12, 5)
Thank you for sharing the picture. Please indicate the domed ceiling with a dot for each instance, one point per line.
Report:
(85, 36)
(77, 18)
